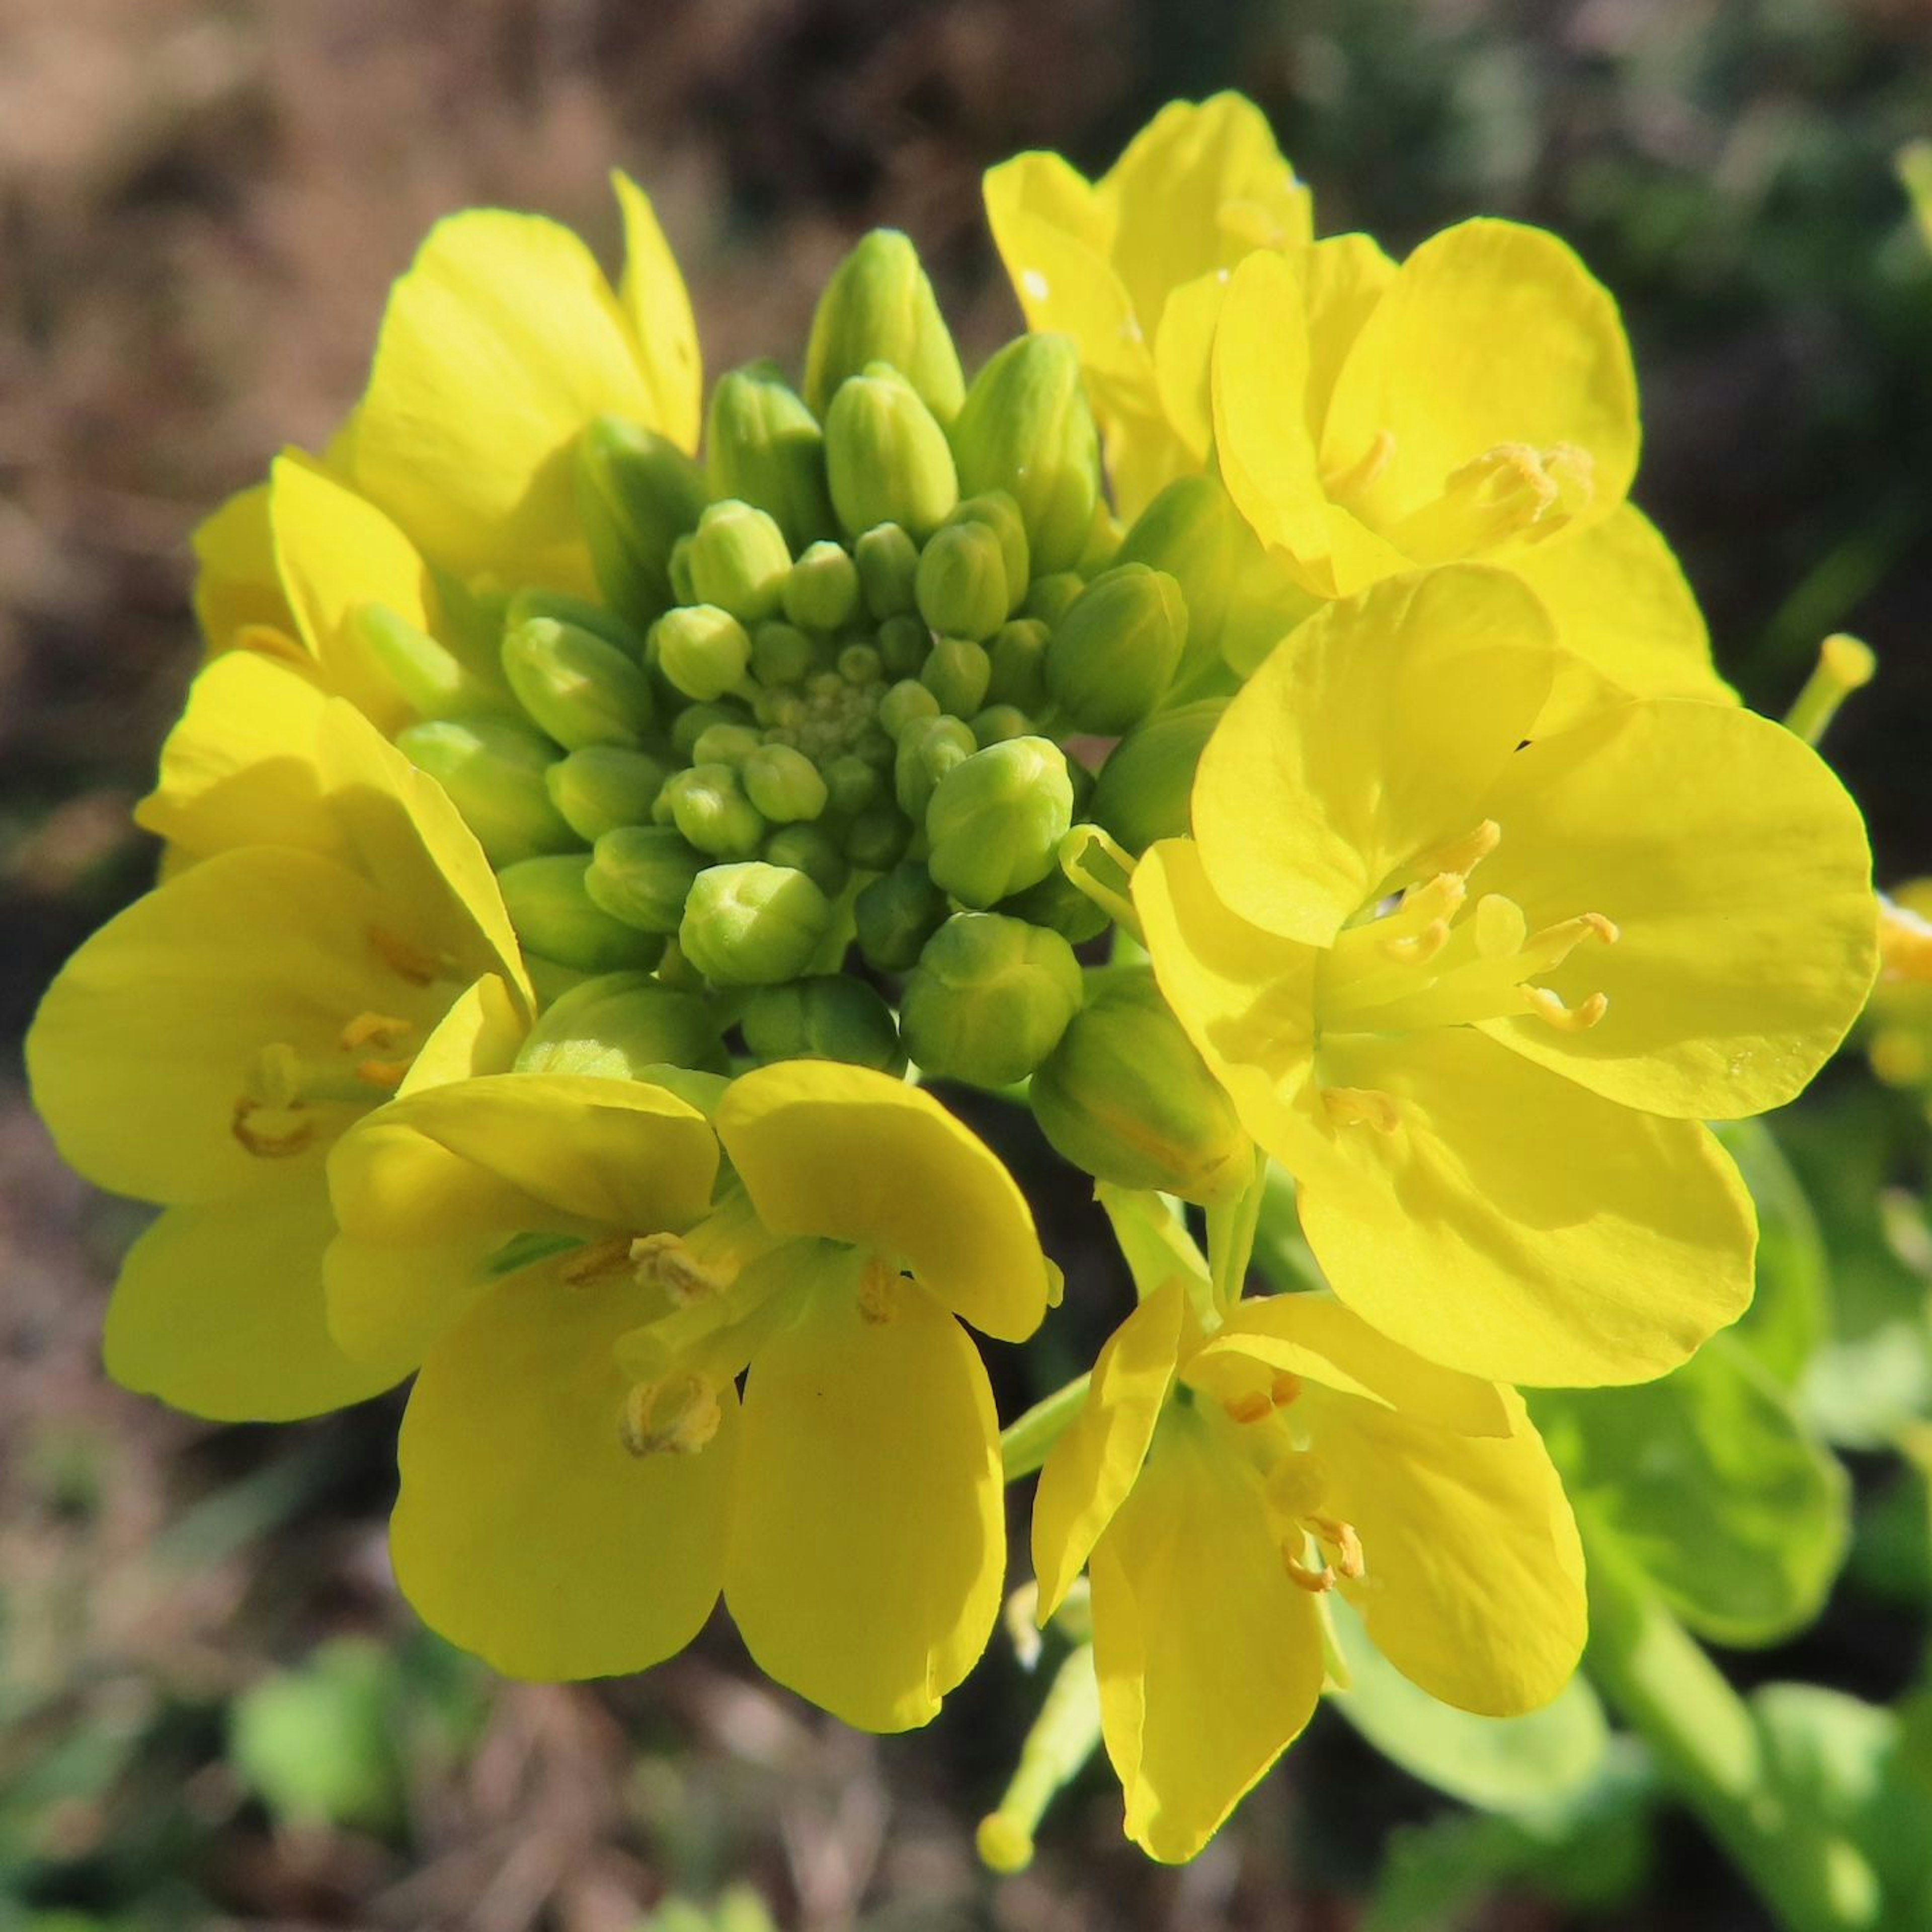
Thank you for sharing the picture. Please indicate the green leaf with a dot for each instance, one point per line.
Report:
(1510, 1765)
(1789, 1318)
(1708, 1480)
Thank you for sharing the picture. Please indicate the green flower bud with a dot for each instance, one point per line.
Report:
(1057, 902)
(753, 925)
(782, 654)
(1115, 652)
(695, 720)
(907, 703)
(619, 1025)
(821, 589)
(887, 458)
(961, 585)
(887, 561)
(851, 785)
(703, 650)
(708, 804)
(1125, 1097)
(550, 907)
(828, 1017)
(763, 445)
(995, 511)
(602, 787)
(928, 748)
(432, 679)
(636, 493)
(878, 838)
(1049, 598)
(641, 874)
(989, 999)
(580, 689)
(1193, 531)
(1144, 788)
(860, 665)
(995, 820)
(811, 850)
(680, 570)
(784, 785)
(493, 770)
(534, 601)
(896, 914)
(1103, 543)
(904, 642)
(999, 724)
(726, 744)
(1017, 660)
(739, 561)
(879, 308)
(957, 671)
(1025, 428)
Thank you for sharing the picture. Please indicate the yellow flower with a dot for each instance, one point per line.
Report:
(1198, 189)
(1898, 1028)
(332, 931)
(580, 1477)
(1476, 982)
(1218, 1487)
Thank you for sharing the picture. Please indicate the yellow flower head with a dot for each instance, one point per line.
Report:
(1199, 188)
(1218, 1488)
(1476, 979)
(580, 1476)
(204, 1048)
(1898, 1028)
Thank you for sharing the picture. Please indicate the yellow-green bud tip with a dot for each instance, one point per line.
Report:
(1005, 1845)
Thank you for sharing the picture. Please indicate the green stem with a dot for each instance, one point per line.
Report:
(1063, 1738)
(1026, 1442)
(1231, 1237)
(1709, 1751)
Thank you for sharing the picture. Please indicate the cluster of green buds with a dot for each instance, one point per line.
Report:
(812, 759)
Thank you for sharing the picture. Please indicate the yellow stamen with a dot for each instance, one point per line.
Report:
(1361, 1106)
(374, 1030)
(596, 1261)
(1286, 1388)
(404, 958)
(264, 1138)
(1341, 1538)
(1460, 856)
(676, 1417)
(878, 1290)
(1418, 949)
(1904, 942)
(665, 1261)
(1317, 1582)
(1548, 1006)
(1250, 1405)
(382, 1072)
(1343, 485)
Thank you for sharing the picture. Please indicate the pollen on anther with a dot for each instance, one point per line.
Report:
(1548, 1006)
(1250, 1405)
(382, 1072)
(373, 1030)
(1317, 1582)
(1286, 1388)
(404, 958)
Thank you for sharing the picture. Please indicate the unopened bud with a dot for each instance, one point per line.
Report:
(1115, 652)
(433, 680)
(1000, 723)
(989, 999)
(830, 1016)
(821, 588)
(703, 650)
(957, 672)
(887, 562)
(784, 785)
(1025, 428)
(602, 787)
(636, 493)
(960, 585)
(995, 820)
(879, 307)
(695, 720)
(1018, 655)
(493, 770)
(726, 742)
(928, 749)
(851, 785)
(641, 874)
(1126, 1097)
(534, 601)
(896, 914)
(886, 456)
(878, 838)
(707, 804)
(619, 1025)
(813, 850)
(739, 561)
(1144, 789)
(1193, 531)
(903, 644)
(1049, 598)
(1057, 902)
(554, 915)
(763, 445)
(577, 687)
(907, 703)
(753, 925)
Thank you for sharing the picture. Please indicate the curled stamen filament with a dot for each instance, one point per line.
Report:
(1548, 1006)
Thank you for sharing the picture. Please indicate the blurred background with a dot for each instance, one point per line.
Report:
(213, 1710)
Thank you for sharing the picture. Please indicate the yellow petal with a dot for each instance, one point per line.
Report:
(481, 1033)
(526, 1531)
(501, 341)
(1209, 1657)
(1563, 1239)
(868, 1536)
(1491, 333)
(1343, 277)
(1620, 601)
(853, 1156)
(218, 1309)
(427, 1189)
(1375, 737)
(145, 1042)
(1183, 355)
(1092, 1466)
(1473, 1587)
(1316, 1336)
(236, 586)
(336, 551)
(240, 767)
(653, 297)
(412, 842)
(1737, 871)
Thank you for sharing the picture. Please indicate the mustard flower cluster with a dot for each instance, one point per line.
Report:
(1247, 724)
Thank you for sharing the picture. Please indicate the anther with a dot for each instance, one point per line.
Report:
(1460, 855)
(595, 1262)
(1286, 1388)
(664, 1260)
(1317, 1582)
(374, 1030)
(268, 1143)
(388, 1073)
(1364, 472)
(1361, 1106)
(1548, 1006)
(878, 1291)
(676, 1417)
(1341, 1538)
(1418, 949)
(403, 957)
(1250, 1405)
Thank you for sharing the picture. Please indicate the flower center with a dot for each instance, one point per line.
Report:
(1318, 1548)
